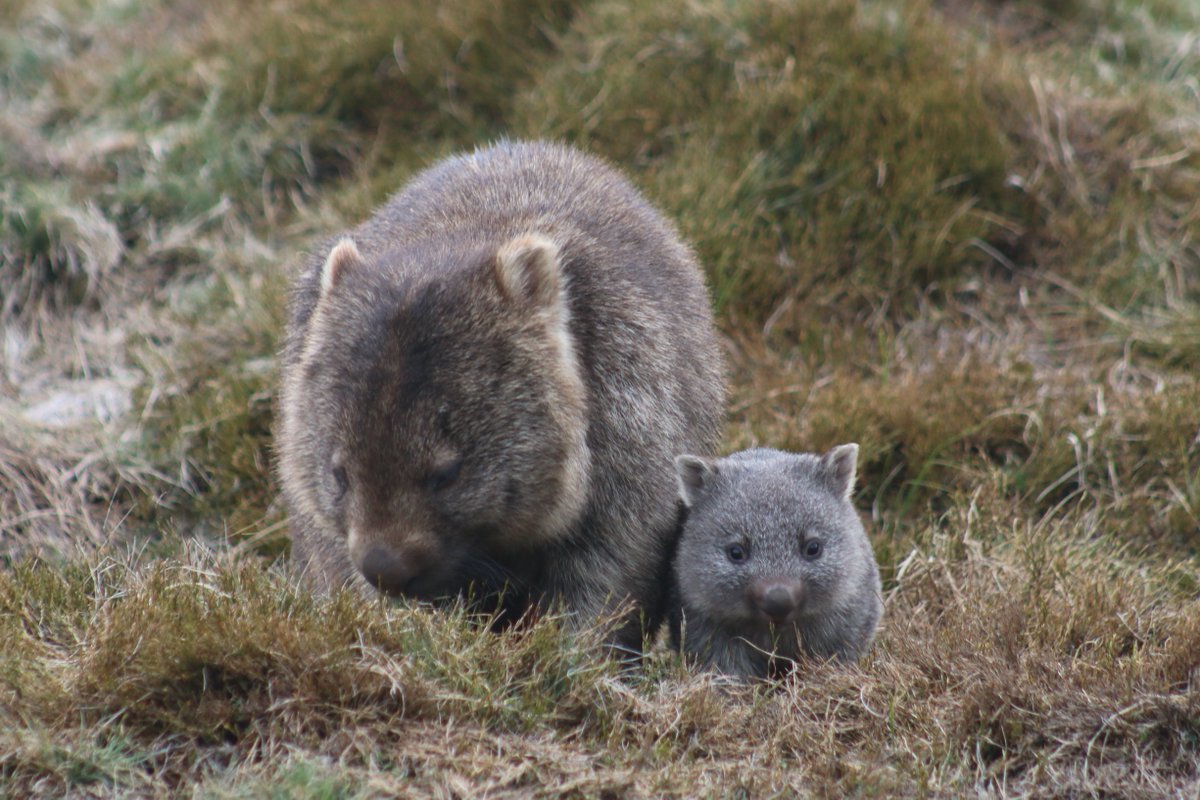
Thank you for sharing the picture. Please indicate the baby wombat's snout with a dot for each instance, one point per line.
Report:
(779, 599)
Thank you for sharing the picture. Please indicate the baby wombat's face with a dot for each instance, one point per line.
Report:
(771, 544)
(439, 420)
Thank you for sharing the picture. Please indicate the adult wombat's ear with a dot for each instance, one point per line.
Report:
(695, 476)
(838, 467)
(343, 257)
(528, 270)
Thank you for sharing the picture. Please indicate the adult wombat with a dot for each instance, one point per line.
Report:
(484, 386)
(772, 561)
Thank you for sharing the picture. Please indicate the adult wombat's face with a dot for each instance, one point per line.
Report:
(447, 426)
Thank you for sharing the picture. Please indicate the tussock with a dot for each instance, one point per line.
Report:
(796, 132)
(1008, 662)
(54, 498)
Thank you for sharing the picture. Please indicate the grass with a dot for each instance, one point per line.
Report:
(793, 190)
(961, 234)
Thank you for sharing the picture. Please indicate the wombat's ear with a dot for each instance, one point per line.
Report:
(838, 466)
(342, 257)
(695, 476)
(528, 270)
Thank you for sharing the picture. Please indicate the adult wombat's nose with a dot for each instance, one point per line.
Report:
(391, 571)
(778, 600)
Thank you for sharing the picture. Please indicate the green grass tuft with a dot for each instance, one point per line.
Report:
(206, 417)
(298, 778)
(796, 149)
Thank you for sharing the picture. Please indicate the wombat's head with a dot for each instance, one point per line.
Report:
(438, 422)
(771, 539)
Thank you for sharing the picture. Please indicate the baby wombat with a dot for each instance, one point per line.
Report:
(772, 561)
(485, 384)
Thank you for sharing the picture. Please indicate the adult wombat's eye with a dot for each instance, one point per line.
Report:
(443, 475)
(341, 480)
(812, 549)
(737, 553)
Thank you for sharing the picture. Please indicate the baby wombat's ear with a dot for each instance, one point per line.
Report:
(838, 467)
(695, 476)
(342, 258)
(528, 270)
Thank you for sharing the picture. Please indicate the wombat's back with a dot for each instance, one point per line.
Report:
(625, 262)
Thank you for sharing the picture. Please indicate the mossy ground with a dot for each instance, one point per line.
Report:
(963, 234)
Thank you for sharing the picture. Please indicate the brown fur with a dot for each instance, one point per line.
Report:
(484, 385)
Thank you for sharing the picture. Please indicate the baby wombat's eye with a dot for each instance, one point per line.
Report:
(341, 480)
(443, 475)
(812, 549)
(737, 553)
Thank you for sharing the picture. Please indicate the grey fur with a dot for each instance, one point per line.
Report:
(772, 505)
(485, 386)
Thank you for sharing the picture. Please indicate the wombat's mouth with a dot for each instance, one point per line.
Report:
(751, 621)
(767, 627)
(426, 589)
(482, 585)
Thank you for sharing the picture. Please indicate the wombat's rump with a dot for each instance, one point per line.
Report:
(484, 386)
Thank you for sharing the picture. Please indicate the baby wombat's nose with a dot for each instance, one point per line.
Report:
(779, 600)
(389, 570)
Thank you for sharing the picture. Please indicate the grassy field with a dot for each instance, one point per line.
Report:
(965, 234)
